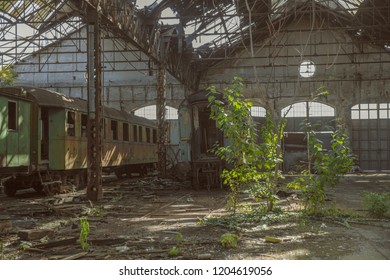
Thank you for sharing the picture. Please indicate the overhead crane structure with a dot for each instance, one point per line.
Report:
(208, 32)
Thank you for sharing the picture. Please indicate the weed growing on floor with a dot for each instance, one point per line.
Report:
(84, 233)
(24, 245)
(94, 210)
(326, 168)
(178, 248)
(253, 218)
(229, 240)
(377, 204)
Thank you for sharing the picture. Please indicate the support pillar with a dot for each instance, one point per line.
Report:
(161, 123)
(95, 111)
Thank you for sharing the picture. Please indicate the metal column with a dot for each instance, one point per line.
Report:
(95, 112)
(162, 127)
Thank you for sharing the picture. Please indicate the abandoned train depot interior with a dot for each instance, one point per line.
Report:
(201, 129)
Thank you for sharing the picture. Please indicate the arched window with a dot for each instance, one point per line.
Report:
(258, 111)
(149, 112)
(308, 109)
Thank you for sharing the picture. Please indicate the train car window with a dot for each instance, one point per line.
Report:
(126, 132)
(104, 128)
(114, 130)
(70, 123)
(154, 136)
(12, 115)
(148, 135)
(140, 134)
(84, 121)
(135, 133)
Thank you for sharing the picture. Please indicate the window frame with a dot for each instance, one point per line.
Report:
(135, 133)
(114, 130)
(12, 115)
(83, 125)
(140, 134)
(125, 132)
(70, 126)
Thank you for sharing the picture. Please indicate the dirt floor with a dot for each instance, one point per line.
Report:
(145, 218)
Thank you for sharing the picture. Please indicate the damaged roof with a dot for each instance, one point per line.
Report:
(202, 29)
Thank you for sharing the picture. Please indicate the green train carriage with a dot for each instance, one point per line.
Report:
(44, 140)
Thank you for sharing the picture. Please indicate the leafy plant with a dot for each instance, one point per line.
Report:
(7, 76)
(24, 245)
(269, 159)
(174, 251)
(232, 114)
(94, 210)
(377, 204)
(178, 248)
(253, 218)
(229, 240)
(84, 233)
(251, 164)
(326, 170)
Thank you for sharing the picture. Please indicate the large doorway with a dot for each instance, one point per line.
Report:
(371, 135)
(322, 119)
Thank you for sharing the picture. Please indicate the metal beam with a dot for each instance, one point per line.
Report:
(161, 123)
(95, 111)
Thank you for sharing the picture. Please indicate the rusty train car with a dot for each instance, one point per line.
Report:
(43, 140)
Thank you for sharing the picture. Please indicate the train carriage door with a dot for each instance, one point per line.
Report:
(44, 134)
(12, 139)
(16, 129)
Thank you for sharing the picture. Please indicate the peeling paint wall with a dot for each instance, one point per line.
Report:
(350, 71)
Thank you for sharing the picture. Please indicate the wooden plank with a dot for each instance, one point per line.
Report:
(57, 243)
(76, 256)
(34, 234)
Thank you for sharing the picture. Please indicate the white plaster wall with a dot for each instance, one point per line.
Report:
(127, 81)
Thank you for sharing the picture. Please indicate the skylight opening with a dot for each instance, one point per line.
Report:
(142, 3)
(215, 33)
(169, 17)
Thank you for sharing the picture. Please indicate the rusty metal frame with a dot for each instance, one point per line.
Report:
(161, 122)
(95, 108)
(141, 27)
